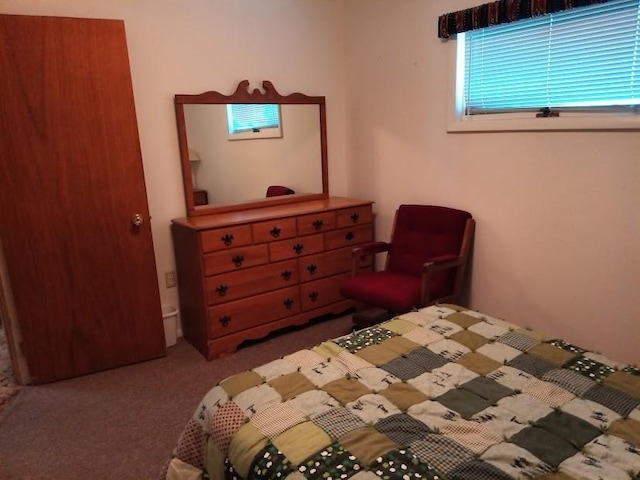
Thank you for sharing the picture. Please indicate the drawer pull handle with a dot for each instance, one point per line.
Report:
(224, 320)
(314, 296)
(312, 269)
(237, 260)
(349, 236)
(275, 232)
(288, 303)
(355, 217)
(222, 289)
(317, 224)
(298, 247)
(227, 239)
(287, 274)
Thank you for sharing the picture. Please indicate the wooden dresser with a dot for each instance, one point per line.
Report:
(242, 275)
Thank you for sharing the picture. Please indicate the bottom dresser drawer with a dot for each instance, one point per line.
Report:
(240, 315)
(322, 292)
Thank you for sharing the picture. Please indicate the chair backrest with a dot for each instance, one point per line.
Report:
(277, 190)
(423, 232)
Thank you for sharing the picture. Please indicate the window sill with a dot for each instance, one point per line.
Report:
(567, 123)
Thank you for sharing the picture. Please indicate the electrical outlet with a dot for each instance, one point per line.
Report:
(170, 279)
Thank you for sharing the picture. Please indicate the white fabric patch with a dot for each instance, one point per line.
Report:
(449, 349)
(375, 379)
(516, 461)
(257, 398)
(322, 373)
(441, 380)
(596, 414)
(275, 369)
(433, 414)
(499, 351)
(314, 402)
(512, 377)
(372, 408)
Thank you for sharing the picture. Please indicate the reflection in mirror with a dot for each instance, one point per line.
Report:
(224, 175)
(233, 171)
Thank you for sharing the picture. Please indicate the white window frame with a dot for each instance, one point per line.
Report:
(460, 122)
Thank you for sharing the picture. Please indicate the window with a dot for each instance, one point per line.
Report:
(581, 67)
(254, 120)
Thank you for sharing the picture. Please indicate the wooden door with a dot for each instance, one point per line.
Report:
(83, 275)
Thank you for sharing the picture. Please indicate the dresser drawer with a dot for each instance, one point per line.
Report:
(296, 247)
(349, 236)
(329, 263)
(317, 222)
(235, 285)
(277, 229)
(354, 216)
(235, 259)
(224, 238)
(321, 292)
(240, 315)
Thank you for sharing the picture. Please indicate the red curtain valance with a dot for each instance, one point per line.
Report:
(503, 11)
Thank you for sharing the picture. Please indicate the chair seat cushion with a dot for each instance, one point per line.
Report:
(392, 291)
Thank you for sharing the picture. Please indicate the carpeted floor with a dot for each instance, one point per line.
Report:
(123, 423)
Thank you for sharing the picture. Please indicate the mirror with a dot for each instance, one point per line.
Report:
(224, 174)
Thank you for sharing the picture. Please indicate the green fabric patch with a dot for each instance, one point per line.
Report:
(291, 385)
(469, 339)
(464, 402)
(552, 354)
(239, 383)
(364, 338)
(346, 390)
(462, 319)
(403, 395)
(296, 451)
(367, 444)
(487, 389)
(270, 463)
(478, 363)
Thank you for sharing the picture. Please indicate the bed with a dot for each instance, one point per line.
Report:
(439, 393)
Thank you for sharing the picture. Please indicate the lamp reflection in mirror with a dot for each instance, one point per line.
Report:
(194, 159)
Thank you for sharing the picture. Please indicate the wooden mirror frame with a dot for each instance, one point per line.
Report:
(244, 95)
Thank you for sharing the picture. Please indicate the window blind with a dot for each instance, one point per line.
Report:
(585, 57)
(251, 117)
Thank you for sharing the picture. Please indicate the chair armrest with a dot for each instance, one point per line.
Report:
(370, 248)
(443, 262)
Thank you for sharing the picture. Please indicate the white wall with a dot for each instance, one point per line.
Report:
(188, 47)
(558, 235)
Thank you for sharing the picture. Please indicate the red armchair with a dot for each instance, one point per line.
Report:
(277, 190)
(426, 260)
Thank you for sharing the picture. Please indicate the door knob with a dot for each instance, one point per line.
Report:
(137, 220)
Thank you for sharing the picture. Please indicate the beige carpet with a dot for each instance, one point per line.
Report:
(8, 387)
(123, 423)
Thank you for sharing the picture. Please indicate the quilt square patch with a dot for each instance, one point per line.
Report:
(477, 469)
(296, 451)
(471, 340)
(270, 463)
(590, 369)
(403, 368)
(338, 422)
(403, 429)
(288, 386)
(330, 463)
(426, 359)
(476, 362)
(516, 461)
(364, 338)
(346, 390)
(464, 402)
(569, 380)
(531, 364)
(463, 319)
(442, 452)
(519, 341)
(547, 447)
(275, 419)
(403, 395)
(570, 428)
(224, 424)
(488, 389)
(367, 444)
(620, 402)
(403, 464)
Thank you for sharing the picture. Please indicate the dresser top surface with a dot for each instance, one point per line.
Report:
(266, 213)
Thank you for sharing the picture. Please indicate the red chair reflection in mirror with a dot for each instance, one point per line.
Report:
(277, 190)
(426, 261)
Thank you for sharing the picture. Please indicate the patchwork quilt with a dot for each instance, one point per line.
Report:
(438, 393)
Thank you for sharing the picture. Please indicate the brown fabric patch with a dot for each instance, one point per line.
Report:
(478, 363)
(627, 429)
(367, 444)
(462, 319)
(237, 384)
(626, 382)
(346, 390)
(387, 350)
(291, 385)
(555, 476)
(554, 355)
(403, 395)
(469, 339)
